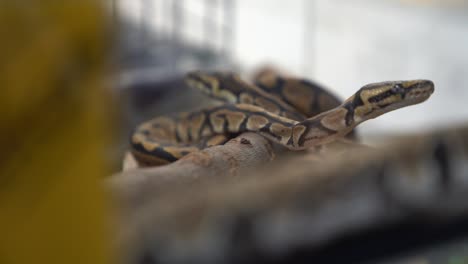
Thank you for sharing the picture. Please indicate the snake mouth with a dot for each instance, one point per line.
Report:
(420, 91)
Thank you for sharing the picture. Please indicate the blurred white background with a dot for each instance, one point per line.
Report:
(347, 44)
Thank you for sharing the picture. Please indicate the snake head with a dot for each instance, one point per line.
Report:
(375, 99)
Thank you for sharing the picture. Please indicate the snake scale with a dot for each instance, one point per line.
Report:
(294, 113)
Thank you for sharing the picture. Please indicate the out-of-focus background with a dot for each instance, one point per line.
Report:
(66, 117)
(341, 44)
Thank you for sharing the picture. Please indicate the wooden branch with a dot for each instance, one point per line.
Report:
(136, 186)
(295, 203)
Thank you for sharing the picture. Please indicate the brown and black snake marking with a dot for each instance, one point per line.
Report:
(169, 138)
(230, 88)
(307, 97)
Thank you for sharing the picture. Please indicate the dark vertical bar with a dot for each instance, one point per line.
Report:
(142, 26)
(175, 34)
(179, 29)
(114, 25)
(115, 12)
(146, 30)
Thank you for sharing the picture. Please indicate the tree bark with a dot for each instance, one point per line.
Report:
(133, 187)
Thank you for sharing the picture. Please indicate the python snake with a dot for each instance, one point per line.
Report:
(291, 112)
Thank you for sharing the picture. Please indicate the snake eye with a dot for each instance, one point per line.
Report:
(397, 88)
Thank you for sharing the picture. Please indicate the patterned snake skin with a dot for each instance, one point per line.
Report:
(291, 112)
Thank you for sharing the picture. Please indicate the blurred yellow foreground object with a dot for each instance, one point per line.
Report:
(53, 209)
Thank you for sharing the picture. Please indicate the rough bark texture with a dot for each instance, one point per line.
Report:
(134, 187)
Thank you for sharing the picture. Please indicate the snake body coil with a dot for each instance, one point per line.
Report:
(275, 108)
